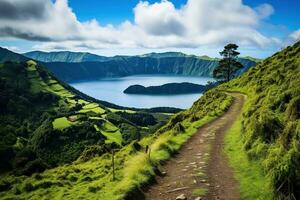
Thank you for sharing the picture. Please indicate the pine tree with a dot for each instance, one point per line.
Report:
(229, 64)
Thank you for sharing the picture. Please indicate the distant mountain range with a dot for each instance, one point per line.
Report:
(75, 57)
(65, 56)
(78, 66)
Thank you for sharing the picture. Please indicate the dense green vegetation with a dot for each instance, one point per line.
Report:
(45, 123)
(271, 121)
(90, 176)
(169, 88)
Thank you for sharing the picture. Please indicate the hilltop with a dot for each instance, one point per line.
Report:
(7, 55)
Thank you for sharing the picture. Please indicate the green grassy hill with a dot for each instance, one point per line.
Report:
(271, 121)
(45, 123)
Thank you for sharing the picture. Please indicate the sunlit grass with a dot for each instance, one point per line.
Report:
(111, 133)
(61, 123)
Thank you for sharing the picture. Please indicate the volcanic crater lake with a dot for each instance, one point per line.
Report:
(111, 90)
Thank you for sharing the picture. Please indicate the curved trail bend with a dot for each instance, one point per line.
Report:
(200, 166)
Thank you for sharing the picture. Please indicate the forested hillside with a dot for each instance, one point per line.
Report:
(45, 123)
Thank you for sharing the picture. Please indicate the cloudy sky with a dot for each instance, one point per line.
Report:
(201, 27)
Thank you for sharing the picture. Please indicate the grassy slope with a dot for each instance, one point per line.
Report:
(270, 124)
(92, 179)
(65, 125)
(253, 183)
(53, 86)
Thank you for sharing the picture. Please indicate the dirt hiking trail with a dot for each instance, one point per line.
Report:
(200, 170)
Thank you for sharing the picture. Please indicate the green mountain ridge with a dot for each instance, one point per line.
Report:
(118, 66)
(175, 63)
(68, 56)
(64, 56)
(189, 66)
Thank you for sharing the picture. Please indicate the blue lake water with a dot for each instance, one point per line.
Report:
(111, 90)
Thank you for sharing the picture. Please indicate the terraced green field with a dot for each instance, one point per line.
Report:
(62, 123)
(111, 132)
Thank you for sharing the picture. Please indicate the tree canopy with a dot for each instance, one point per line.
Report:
(229, 64)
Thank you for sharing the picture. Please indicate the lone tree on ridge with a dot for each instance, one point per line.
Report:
(229, 64)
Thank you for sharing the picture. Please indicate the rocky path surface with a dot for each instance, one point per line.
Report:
(200, 171)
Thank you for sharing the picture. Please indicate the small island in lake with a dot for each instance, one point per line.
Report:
(169, 88)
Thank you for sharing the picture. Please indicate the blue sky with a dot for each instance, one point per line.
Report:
(107, 12)
(286, 11)
(259, 27)
(286, 16)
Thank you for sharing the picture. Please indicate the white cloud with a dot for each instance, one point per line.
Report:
(264, 10)
(159, 18)
(157, 25)
(295, 36)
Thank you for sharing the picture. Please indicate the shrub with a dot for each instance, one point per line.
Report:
(17, 191)
(73, 178)
(4, 186)
(178, 128)
(36, 166)
(28, 187)
(293, 109)
(44, 184)
(86, 179)
(93, 189)
(6, 155)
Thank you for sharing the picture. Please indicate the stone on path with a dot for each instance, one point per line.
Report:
(163, 173)
(198, 198)
(181, 197)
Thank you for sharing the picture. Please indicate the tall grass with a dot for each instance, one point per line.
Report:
(253, 182)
